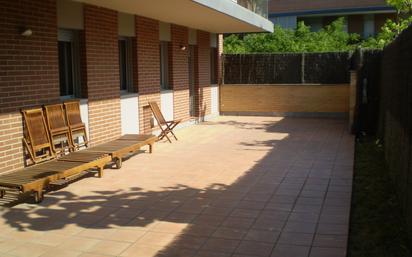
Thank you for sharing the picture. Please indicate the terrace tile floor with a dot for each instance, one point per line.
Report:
(235, 186)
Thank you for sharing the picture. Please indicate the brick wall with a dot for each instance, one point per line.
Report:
(102, 78)
(180, 71)
(148, 68)
(279, 6)
(203, 91)
(219, 59)
(28, 69)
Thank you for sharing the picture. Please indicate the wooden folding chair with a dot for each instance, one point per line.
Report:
(76, 126)
(58, 129)
(166, 127)
(36, 136)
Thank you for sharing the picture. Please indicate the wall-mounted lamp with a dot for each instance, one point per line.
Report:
(26, 32)
(183, 47)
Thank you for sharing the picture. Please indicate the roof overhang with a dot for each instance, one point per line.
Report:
(216, 16)
(334, 12)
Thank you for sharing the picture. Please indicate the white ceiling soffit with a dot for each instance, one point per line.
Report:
(217, 16)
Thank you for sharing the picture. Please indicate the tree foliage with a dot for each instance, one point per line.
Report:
(391, 29)
(331, 38)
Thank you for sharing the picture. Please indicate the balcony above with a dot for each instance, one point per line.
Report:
(216, 16)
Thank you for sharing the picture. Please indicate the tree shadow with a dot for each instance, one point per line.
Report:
(270, 187)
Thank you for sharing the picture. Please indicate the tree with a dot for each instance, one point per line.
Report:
(331, 38)
(391, 29)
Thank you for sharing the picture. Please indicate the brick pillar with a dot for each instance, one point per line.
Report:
(148, 68)
(28, 70)
(219, 59)
(203, 91)
(102, 73)
(180, 71)
(352, 98)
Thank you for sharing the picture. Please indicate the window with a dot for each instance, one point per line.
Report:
(125, 64)
(69, 63)
(213, 65)
(164, 65)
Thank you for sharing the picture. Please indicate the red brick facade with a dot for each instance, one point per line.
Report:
(219, 63)
(202, 73)
(28, 69)
(180, 71)
(102, 60)
(148, 68)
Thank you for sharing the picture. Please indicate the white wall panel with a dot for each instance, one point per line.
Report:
(129, 111)
(166, 102)
(215, 99)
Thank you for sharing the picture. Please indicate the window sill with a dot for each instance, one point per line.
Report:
(125, 94)
(70, 97)
(166, 91)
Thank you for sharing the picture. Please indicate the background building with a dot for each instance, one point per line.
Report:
(364, 17)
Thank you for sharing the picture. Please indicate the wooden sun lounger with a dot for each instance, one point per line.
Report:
(36, 136)
(123, 146)
(36, 178)
(165, 126)
(76, 125)
(59, 171)
(59, 131)
(48, 169)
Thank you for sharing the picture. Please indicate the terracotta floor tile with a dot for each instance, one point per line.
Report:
(332, 241)
(109, 247)
(142, 250)
(327, 252)
(236, 222)
(290, 251)
(158, 239)
(254, 248)
(29, 249)
(262, 236)
(79, 243)
(233, 186)
(229, 233)
(220, 245)
(61, 253)
(291, 238)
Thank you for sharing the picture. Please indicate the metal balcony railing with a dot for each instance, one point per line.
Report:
(257, 6)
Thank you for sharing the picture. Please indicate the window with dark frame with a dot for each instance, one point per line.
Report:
(65, 69)
(164, 65)
(213, 65)
(125, 64)
(69, 64)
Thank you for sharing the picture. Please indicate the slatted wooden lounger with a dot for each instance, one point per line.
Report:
(76, 125)
(58, 128)
(117, 149)
(36, 178)
(36, 136)
(123, 146)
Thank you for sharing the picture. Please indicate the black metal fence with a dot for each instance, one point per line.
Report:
(290, 68)
(385, 108)
(396, 116)
(367, 63)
